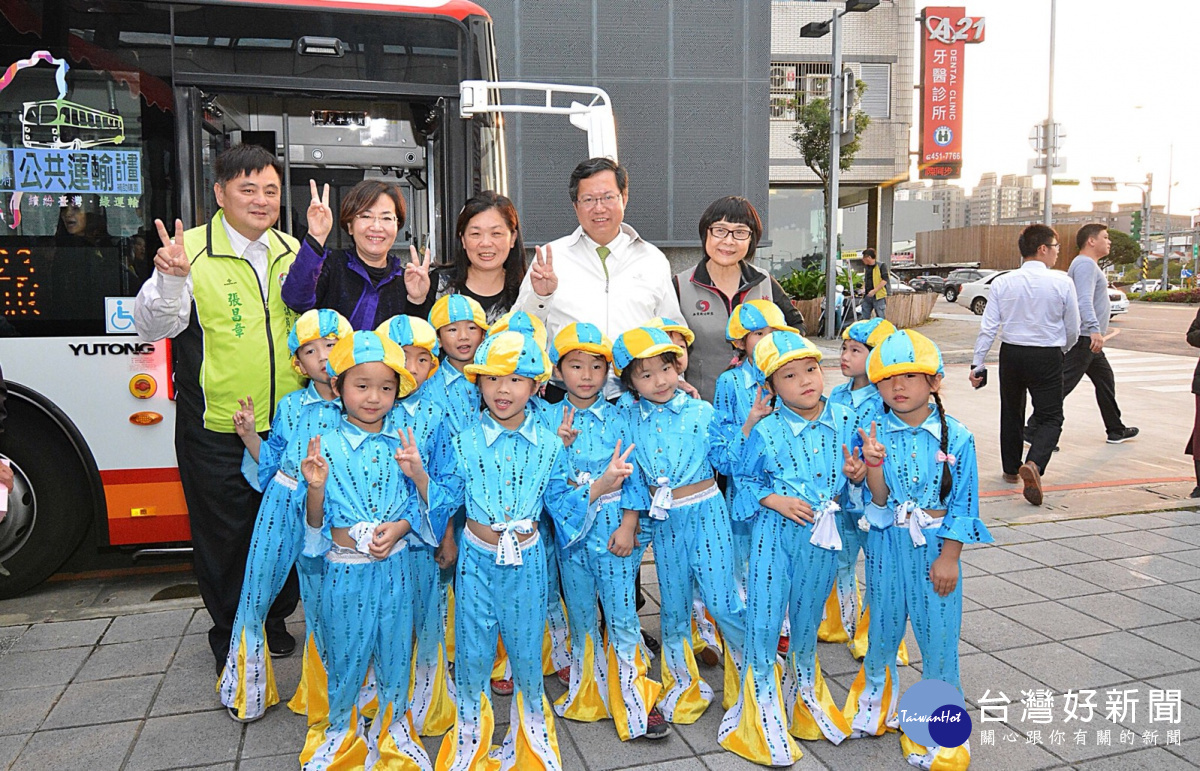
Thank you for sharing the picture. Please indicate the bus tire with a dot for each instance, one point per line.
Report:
(56, 494)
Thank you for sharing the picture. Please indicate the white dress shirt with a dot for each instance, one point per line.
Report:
(637, 287)
(1033, 306)
(163, 306)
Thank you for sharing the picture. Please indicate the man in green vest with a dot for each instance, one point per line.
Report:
(875, 285)
(215, 291)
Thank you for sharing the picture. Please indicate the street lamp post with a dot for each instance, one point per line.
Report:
(1051, 134)
(1109, 184)
(1167, 222)
(836, 127)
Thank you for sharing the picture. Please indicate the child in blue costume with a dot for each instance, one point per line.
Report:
(506, 470)
(362, 500)
(605, 680)
(460, 323)
(706, 640)
(736, 391)
(422, 413)
(556, 645)
(924, 506)
(792, 469)
(679, 441)
(846, 617)
(247, 684)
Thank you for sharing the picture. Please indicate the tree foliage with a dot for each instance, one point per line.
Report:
(1124, 250)
(811, 135)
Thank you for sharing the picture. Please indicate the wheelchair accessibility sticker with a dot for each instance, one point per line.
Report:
(118, 316)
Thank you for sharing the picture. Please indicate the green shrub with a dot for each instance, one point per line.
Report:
(1172, 296)
(807, 284)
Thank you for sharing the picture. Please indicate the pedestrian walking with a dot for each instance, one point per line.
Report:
(875, 286)
(1035, 312)
(1087, 357)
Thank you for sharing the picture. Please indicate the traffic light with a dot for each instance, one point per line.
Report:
(1135, 230)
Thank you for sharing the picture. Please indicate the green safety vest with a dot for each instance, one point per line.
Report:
(244, 335)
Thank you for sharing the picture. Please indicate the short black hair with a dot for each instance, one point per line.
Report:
(1087, 232)
(1035, 237)
(735, 209)
(635, 367)
(244, 160)
(593, 166)
(869, 252)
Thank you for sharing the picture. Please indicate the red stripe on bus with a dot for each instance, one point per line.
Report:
(458, 9)
(136, 476)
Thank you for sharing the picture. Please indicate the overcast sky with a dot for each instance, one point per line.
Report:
(1124, 90)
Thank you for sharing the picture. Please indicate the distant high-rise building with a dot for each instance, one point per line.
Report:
(949, 199)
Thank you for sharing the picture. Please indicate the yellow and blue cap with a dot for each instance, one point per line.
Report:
(580, 336)
(410, 330)
(670, 325)
(641, 343)
(316, 324)
(780, 347)
(365, 346)
(453, 308)
(754, 315)
(870, 332)
(509, 353)
(525, 323)
(902, 353)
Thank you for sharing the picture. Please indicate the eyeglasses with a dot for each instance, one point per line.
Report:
(591, 201)
(387, 220)
(741, 234)
(1054, 245)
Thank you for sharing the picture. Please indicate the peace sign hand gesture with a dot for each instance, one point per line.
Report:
(243, 419)
(566, 432)
(619, 469)
(416, 276)
(409, 457)
(314, 467)
(170, 257)
(873, 452)
(541, 273)
(854, 468)
(320, 216)
(760, 409)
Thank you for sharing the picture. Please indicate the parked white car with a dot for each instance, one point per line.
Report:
(1118, 303)
(974, 295)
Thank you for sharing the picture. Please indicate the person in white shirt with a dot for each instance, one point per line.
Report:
(216, 291)
(1036, 313)
(1087, 356)
(604, 273)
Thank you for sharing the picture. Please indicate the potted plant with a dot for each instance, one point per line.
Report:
(806, 288)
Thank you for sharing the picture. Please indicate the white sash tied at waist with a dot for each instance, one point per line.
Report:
(664, 499)
(825, 532)
(363, 533)
(910, 514)
(508, 550)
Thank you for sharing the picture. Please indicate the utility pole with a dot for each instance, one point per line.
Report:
(1167, 225)
(1051, 132)
(835, 166)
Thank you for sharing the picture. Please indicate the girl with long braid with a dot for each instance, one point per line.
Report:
(924, 506)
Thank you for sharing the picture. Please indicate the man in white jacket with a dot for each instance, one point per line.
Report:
(604, 273)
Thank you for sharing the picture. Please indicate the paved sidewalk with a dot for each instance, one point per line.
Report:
(95, 674)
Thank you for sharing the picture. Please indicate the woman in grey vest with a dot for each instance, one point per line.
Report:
(730, 230)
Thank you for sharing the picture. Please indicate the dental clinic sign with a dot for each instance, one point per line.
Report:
(944, 35)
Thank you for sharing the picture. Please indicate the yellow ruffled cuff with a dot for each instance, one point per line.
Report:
(803, 725)
(645, 691)
(530, 757)
(749, 738)
(831, 628)
(691, 703)
(878, 723)
(271, 694)
(480, 760)
(586, 702)
(441, 713)
(944, 759)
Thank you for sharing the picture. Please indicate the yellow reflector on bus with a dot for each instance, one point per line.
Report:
(145, 418)
(143, 386)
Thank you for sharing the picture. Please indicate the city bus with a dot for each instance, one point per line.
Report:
(339, 90)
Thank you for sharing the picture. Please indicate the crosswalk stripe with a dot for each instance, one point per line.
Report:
(1179, 389)
(1156, 378)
